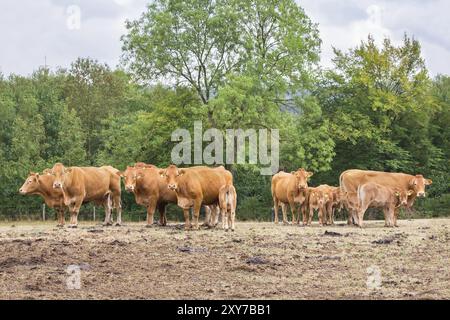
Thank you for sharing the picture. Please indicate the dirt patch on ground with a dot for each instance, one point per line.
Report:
(257, 261)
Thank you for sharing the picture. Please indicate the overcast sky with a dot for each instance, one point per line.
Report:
(31, 30)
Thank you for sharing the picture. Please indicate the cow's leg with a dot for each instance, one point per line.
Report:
(208, 221)
(292, 205)
(232, 216)
(118, 206)
(150, 212)
(162, 214)
(284, 210)
(74, 210)
(60, 212)
(320, 213)
(108, 208)
(196, 212)
(304, 214)
(395, 216)
(216, 216)
(275, 210)
(187, 221)
(330, 213)
(311, 214)
(224, 218)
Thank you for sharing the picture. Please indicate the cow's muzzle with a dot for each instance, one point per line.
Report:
(421, 194)
(57, 185)
(129, 188)
(21, 191)
(172, 187)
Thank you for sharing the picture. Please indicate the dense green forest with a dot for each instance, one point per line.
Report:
(231, 64)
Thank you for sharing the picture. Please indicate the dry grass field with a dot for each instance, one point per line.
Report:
(257, 261)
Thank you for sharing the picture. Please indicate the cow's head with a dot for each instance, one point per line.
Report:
(171, 174)
(402, 196)
(31, 184)
(60, 173)
(301, 178)
(418, 183)
(131, 176)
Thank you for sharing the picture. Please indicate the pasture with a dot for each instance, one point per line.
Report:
(260, 260)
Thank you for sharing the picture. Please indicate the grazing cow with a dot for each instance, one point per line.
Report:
(37, 184)
(88, 184)
(328, 193)
(289, 188)
(315, 200)
(149, 189)
(375, 195)
(227, 204)
(350, 180)
(196, 186)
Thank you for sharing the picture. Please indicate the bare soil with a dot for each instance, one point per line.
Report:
(257, 261)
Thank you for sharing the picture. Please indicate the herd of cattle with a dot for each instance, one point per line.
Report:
(191, 188)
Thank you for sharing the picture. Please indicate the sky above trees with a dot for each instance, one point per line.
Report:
(36, 32)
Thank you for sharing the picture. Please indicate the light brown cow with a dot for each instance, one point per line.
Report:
(374, 195)
(350, 180)
(149, 189)
(338, 202)
(289, 188)
(227, 204)
(350, 203)
(42, 185)
(212, 214)
(89, 184)
(315, 200)
(196, 186)
(328, 194)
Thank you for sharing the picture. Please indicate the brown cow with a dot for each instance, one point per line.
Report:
(227, 203)
(289, 188)
(196, 186)
(375, 195)
(350, 203)
(315, 200)
(43, 185)
(350, 180)
(328, 193)
(88, 184)
(149, 189)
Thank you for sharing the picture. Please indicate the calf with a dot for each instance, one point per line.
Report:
(328, 193)
(88, 184)
(350, 203)
(42, 185)
(375, 195)
(315, 201)
(227, 204)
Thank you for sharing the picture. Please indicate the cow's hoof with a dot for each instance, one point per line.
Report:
(148, 225)
(72, 226)
(60, 226)
(118, 224)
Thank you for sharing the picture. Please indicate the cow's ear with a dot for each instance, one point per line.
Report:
(410, 192)
(181, 172)
(68, 170)
(428, 182)
(162, 173)
(119, 173)
(309, 174)
(292, 172)
(37, 176)
(397, 193)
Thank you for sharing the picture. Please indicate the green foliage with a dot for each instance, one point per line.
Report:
(231, 64)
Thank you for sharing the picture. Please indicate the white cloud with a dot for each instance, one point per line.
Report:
(31, 30)
(344, 24)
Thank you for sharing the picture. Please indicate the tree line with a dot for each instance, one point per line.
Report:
(231, 64)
